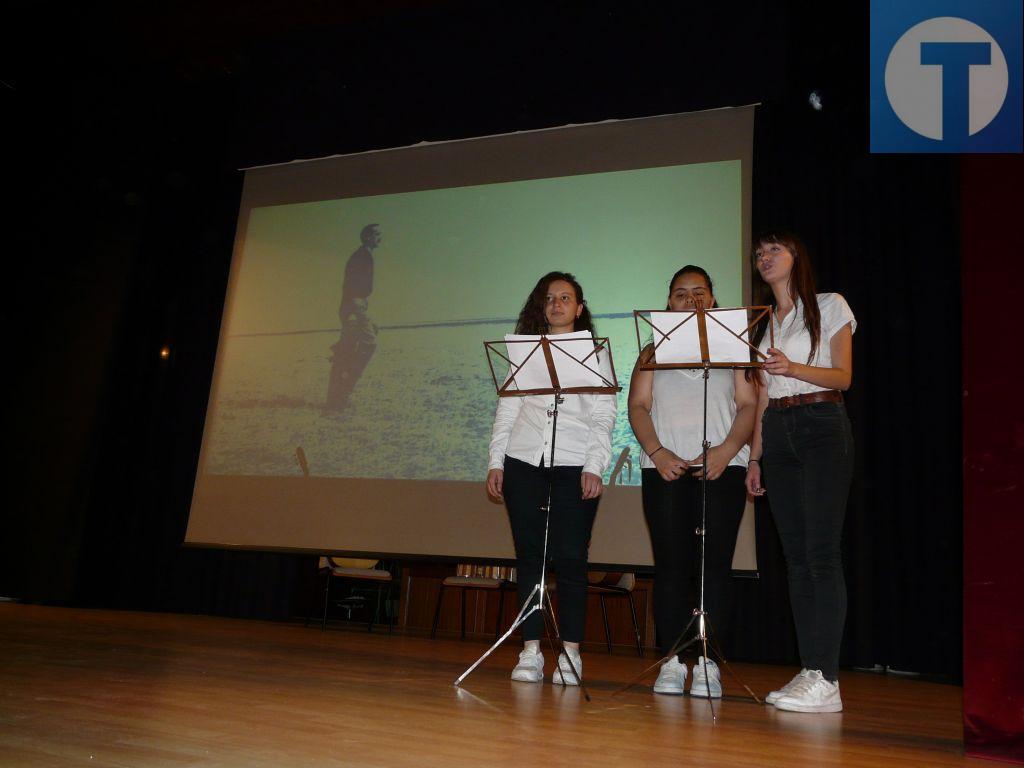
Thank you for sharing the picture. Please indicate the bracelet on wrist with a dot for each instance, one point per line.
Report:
(651, 454)
(750, 460)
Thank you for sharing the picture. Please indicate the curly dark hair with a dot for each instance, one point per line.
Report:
(532, 320)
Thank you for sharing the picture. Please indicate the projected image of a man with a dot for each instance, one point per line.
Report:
(358, 340)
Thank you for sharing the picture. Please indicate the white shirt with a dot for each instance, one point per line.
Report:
(677, 410)
(792, 338)
(522, 430)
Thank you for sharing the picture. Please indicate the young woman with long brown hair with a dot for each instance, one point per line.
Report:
(519, 473)
(802, 456)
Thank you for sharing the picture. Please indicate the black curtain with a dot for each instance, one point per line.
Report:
(130, 131)
(883, 230)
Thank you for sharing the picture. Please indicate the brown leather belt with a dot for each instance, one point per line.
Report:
(826, 396)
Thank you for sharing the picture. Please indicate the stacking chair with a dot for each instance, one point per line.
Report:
(607, 585)
(620, 585)
(364, 572)
(476, 577)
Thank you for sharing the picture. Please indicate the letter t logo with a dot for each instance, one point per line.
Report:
(956, 60)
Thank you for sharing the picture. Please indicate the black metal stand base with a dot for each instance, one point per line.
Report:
(708, 647)
(543, 605)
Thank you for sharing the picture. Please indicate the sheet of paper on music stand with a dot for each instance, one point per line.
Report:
(576, 362)
(534, 373)
(528, 362)
(723, 346)
(682, 344)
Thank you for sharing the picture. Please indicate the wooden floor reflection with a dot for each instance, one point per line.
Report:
(104, 688)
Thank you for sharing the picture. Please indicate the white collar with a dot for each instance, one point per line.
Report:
(798, 309)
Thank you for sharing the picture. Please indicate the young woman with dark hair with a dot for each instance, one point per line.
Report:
(802, 457)
(666, 411)
(540, 314)
(519, 473)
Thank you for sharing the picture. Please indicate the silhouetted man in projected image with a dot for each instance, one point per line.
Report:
(358, 340)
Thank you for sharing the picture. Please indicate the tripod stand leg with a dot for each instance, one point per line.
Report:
(704, 660)
(547, 633)
(549, 617)
(721, 657)
(524, 612)
(678, 647)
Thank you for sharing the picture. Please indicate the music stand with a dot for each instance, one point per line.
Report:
(570, 364)
(705, 339)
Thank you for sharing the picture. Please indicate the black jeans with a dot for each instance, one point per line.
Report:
(673, 512)
(525, 488)
(807, 463)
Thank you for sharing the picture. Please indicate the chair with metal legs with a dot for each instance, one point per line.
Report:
(473, 578)
(606, 585)
(364, 572)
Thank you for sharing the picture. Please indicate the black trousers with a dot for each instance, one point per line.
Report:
(673, 512)
(525, 488)
(808, 464)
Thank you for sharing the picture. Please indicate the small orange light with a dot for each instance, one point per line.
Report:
(165, 353)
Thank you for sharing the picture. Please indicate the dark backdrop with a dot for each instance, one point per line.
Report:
(128, 131)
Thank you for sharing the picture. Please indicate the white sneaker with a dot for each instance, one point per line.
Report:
(700, 684)
(812, 693)
(530, 668)
(774, 696)
(672, 678)
(564, 672)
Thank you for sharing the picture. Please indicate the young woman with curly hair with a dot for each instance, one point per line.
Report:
(519, 474)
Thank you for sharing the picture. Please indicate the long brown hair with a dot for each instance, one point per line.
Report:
(532, 320)
(801, 285)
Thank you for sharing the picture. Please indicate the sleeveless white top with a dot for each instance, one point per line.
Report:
(678, 413)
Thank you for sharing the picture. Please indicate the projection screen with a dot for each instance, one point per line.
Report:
(351, 404)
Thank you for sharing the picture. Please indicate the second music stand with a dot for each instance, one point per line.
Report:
(696, 346)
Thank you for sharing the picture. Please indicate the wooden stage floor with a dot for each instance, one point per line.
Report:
(106, 688)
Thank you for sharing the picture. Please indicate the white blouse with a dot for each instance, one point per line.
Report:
(677, 411)
(792, 338)
(522, 430)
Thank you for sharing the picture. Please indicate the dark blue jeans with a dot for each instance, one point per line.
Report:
(807, 464)
(572, 518)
